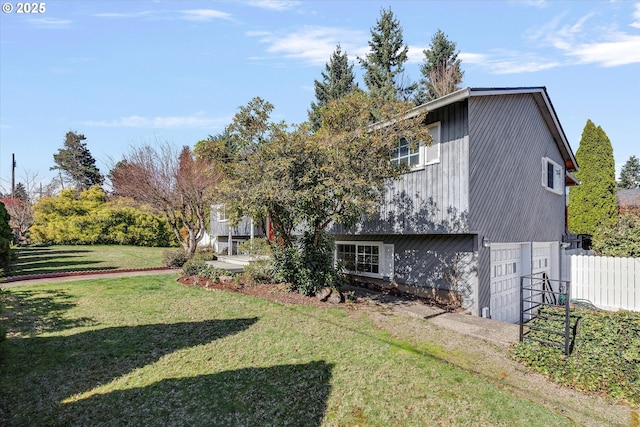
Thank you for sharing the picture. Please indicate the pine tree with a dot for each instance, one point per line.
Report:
(75, 161)
(337, 81)
(384, 65)
(592, 204)
(441, 73)
(630, 174)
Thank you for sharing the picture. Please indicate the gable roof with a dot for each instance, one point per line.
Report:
(542, 100)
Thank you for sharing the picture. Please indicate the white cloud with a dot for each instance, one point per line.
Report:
(623, 50)
(198, 120)
(50, 23)
(314, 45)
(204, 14)
(126, 15)
(588, 43)
(508, 62)
(274, 4)
(636, 17)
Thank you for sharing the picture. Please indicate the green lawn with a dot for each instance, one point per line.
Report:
(148, 351)
(55, 259)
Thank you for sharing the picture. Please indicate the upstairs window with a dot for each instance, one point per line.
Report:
(552, 176)
(432, 152)
(406, 154)
(417, 155)
(221, 213)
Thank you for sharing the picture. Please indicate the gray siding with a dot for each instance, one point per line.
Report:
(422, 261)
(221, 228)
(435, 199)
(507, 203)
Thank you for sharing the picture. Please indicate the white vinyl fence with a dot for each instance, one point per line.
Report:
(609, 283)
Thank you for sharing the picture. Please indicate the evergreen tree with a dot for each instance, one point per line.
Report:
(21, 192)
(441, 73)
(592, 204)
(630, 174)
(75, 161)
(337, 81)
(6, 235)
(384, 64)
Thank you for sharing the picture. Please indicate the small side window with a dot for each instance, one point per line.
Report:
(552, 174)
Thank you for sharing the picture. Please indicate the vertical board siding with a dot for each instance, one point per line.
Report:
(243, 229)
(433, 199)
(420, 261)
(508, 137)
(608, 282)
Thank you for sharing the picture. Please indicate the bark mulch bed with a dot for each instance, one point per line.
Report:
(279, 293)
(272, 292)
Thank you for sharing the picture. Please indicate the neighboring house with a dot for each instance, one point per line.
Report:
(628, 200)
(483, 205)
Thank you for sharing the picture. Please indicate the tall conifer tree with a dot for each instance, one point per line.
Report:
(630, 174)
(384, 64)
(441, 73)
(337, 81)
(75, 161)
(592, 204)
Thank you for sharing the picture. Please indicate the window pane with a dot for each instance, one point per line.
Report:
(550, 175)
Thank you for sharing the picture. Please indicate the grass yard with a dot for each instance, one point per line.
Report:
(55, 259)
(148, 351)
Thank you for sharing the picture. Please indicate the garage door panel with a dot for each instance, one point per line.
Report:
(505, 282)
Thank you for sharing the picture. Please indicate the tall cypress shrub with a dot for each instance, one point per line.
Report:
(592, 204)
(5, 237)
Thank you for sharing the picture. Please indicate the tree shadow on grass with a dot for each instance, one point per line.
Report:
(278, 395)
(36, 374)
(34, 312)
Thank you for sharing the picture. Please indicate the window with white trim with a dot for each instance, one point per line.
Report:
(432, 152)
(416, 155)
(366, 258)
(552, 176)
(221, 213)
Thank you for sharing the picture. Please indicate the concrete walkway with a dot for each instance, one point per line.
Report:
(492, 331)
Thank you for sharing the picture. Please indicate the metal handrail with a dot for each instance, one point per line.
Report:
(543, 290)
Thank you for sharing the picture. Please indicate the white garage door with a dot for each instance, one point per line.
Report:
(505, 281)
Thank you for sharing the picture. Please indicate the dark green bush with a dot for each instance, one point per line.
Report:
(192, 267)
(6, 235)
(174, 258)
(308, 268)
(205, 254)
(605, 358)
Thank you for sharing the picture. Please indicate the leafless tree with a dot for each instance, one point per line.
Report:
(172, 183)
(444, 78)
(20, 208)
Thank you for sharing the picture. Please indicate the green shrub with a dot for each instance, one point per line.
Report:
(174, 258)
(205, 254)
(308, 268)
(260, 271)
(6, 235)
(88, 218)
(193, 267)
(605, 358)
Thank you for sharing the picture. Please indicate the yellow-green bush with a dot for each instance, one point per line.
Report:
(89, 218)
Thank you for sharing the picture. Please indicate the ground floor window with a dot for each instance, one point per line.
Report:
(366, 258)
(360, 258)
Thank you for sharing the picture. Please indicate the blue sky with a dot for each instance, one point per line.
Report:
(127, 73)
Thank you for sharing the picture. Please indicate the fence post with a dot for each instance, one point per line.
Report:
(567, 301)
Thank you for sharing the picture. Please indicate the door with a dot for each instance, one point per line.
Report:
(506, 262)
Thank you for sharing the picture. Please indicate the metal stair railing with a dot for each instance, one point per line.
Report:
(538, 291)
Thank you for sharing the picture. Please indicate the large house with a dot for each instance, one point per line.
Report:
(483, 205)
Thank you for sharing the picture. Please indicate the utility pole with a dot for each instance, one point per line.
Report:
(13, 175)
